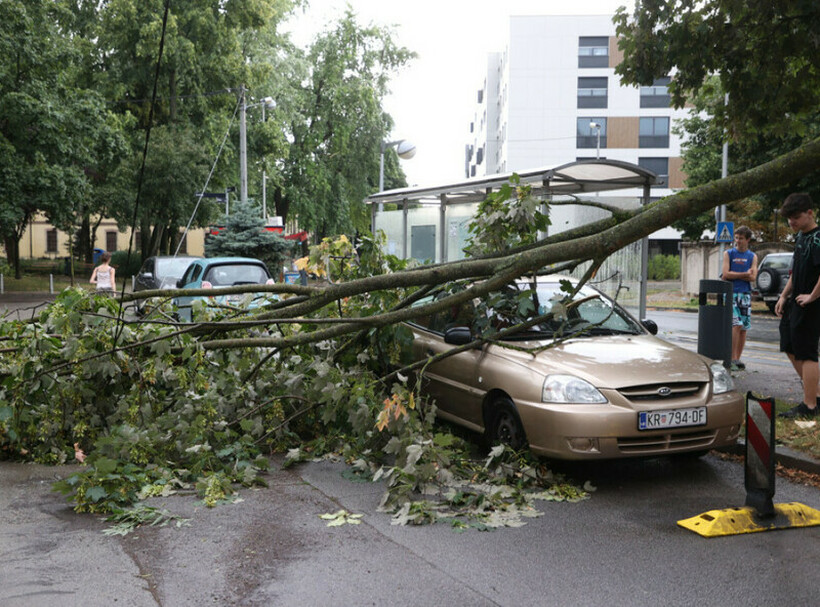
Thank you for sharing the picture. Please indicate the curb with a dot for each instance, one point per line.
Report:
(784, 456)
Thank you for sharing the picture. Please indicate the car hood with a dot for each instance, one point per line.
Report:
(614, 361)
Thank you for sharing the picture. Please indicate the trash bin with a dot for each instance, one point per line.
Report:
(95, 258)
(715, 320)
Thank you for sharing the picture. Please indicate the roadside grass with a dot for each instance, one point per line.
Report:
(30, 283)
(669, 296)
(800, 435)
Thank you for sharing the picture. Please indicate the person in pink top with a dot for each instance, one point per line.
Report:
(103, 275)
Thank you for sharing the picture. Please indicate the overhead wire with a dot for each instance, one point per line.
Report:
(208, 180)
(120, 315)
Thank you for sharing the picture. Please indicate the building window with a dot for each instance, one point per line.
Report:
(659, 166)
(586, 135)
(592, 92)
(653, 133)
(479, 155)
(51, 241)
(656, 95)
(183, 243)
(593, 51)
(111, 241)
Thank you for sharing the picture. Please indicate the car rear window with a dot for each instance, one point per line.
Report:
(227, 275)
(779, 262)
(173, 267)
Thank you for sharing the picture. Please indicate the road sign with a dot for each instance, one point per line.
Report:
(725, 231)
(218, 195)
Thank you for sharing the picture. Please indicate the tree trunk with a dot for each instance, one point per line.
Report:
(156, 239)
(12, 245)
(281, 203)
(83, 241)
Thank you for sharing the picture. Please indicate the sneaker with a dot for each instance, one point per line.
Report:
(800, 410)
(739, 364)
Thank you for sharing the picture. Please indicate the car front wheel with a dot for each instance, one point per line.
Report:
(505, 425)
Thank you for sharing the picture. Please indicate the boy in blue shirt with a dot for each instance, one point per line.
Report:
(740, 267)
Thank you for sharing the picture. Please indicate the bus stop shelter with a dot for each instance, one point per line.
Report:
(430, 223)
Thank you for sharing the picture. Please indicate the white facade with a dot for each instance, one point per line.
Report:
(529, 115)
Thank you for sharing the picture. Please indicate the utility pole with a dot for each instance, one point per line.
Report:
(243, 148)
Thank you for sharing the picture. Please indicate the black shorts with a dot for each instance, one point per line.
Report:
(800, 330)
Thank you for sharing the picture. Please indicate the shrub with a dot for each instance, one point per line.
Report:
(119, 259)
(664, 267)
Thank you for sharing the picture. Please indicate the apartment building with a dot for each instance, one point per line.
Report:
(552, 97)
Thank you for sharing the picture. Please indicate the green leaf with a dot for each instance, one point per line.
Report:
(104, 465)
(95, 494)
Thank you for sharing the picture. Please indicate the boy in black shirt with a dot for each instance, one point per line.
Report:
(799, 303)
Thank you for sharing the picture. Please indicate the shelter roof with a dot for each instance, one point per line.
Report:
(573, 178)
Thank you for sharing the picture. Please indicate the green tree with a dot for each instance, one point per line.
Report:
(702, 158)
(244, 236)
(336, 127)
(204, 62)
(175, 169)
(764, 53)
(52, 132)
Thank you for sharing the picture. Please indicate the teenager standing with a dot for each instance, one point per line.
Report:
(740, 267)
(799, 303)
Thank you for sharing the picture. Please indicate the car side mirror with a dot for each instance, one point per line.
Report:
(650, 325)
(458, 336)
(146, 275)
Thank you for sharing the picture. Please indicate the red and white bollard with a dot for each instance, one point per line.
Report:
(759, 469)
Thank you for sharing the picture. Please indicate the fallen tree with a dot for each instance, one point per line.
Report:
(158, 405)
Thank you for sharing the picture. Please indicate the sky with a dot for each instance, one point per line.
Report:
(432, 100)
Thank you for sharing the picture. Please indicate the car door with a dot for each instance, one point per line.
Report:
(453, 382)
(189, 280)
(145, 277)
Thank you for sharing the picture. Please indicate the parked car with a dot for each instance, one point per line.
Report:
(772, 276)
(160, 272)
(217, 272)
(596, 384)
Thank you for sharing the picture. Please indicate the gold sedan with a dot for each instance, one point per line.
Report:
(587, 382)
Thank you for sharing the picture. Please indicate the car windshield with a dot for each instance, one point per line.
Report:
(590, 313)
(227, 275)
(172, 267)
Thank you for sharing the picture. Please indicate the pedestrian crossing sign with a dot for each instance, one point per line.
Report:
(725, 231)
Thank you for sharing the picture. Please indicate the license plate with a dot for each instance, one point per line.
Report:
(672, 418)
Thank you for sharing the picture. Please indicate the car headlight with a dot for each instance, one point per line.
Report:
(569, 389)
(721, 379)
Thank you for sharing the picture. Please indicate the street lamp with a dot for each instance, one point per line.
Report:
(404, 149)
(243, 141)
(597, 125)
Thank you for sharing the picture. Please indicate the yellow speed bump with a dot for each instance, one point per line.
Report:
(734, 521)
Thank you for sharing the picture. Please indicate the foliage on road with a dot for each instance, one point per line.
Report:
(152, 412)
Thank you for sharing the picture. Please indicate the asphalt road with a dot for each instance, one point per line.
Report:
(621, 547)
(768, 372)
